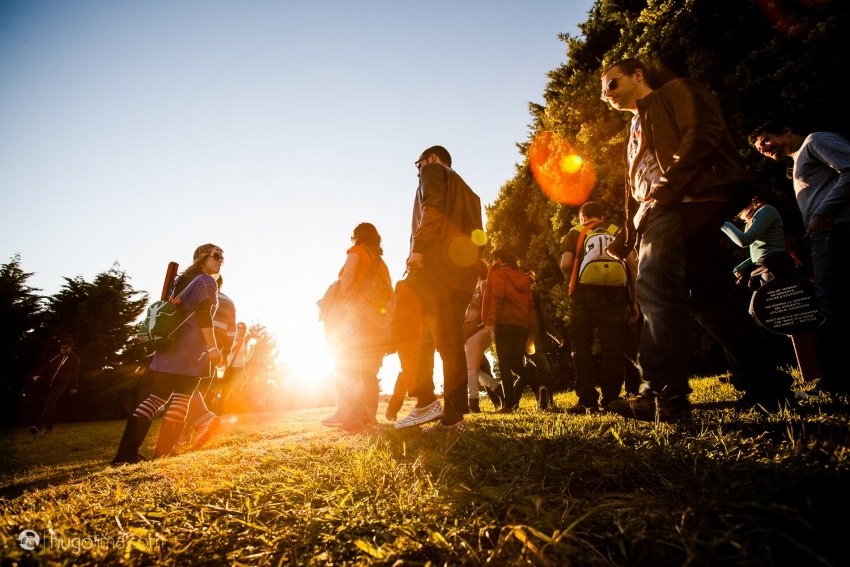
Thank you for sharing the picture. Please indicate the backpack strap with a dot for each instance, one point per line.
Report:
(581, 237)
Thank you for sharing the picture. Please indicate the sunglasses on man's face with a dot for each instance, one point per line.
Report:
(217, 257)
(611, 85)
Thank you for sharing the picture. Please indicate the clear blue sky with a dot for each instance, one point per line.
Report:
(131, 132)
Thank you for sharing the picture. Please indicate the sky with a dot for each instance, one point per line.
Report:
(132, 132)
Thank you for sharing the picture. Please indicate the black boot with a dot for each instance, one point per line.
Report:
(134, 434)
(474, 405)
(169, 432)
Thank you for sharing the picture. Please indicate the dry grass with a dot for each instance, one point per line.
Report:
(527, 488)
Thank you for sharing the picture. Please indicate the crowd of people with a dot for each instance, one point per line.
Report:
(632, 289)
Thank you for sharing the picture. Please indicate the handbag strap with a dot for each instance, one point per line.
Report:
(581, 237)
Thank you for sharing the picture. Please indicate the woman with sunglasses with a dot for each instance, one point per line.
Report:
(175, 369)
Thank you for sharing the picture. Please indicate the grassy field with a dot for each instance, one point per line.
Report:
(538, 488)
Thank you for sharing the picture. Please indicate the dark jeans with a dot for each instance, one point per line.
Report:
(683, 272)
(598, 312)
(831, 269)
(48, 413)
(510, 352)
(429, 317)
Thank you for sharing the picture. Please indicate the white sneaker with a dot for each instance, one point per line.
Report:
(418, 416)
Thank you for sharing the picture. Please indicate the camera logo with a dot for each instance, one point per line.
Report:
(28, 539)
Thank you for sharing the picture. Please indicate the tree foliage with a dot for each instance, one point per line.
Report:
(760, 57)
(101, 317)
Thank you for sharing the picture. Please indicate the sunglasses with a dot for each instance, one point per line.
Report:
(611, 85)
(217, 257)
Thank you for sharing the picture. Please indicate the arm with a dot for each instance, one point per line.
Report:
(566, 263)
(349, 272)
(432, 189)
(834, 151)
(205, 325)
(75, 373)
(701, 132)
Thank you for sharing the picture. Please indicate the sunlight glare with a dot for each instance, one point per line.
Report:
(562, 175)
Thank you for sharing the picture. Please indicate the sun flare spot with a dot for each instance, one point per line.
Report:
(563, 175)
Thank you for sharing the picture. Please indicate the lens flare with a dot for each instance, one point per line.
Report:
(562, 174)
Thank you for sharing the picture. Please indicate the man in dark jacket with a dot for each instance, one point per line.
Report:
(59, 371)
(685, 178)
(442, 267)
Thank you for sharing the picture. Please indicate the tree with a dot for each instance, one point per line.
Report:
(21, 318)
(760, 57)
(100, 316)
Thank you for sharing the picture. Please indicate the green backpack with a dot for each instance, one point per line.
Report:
(161, 322)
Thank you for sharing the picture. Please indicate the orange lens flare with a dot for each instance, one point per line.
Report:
(562, 174)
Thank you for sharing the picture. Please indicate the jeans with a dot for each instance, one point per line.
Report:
(598, 311)
(510, 352)
(830, 267)
(683, 272)
(430, 317)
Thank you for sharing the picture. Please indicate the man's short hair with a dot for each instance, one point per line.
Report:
(66, 342)
(630, 65)
(591, 209)
(440, 152)
(505, 256)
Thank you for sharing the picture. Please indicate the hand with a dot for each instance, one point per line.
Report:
(819, 223)
(72, 392)
(35, 378)
(414, 261)
(214, 355)
(632, 313)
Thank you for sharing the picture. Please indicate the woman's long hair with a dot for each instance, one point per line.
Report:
(200, 256)
(365, 234)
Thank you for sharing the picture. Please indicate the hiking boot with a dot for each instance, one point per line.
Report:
(581, 409)
(474, 405)
(418, 416)
(131, 460)
(205, 432)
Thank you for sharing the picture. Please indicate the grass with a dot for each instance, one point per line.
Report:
(532, 487)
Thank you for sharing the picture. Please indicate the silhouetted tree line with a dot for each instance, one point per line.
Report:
(101, 317)
(762, 58)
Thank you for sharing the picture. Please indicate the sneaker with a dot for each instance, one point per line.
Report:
(33, 429)
(418, 416)
(581, 409)
(205, 432)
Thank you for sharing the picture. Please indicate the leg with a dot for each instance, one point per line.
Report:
(582, 328)
(663, 297)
